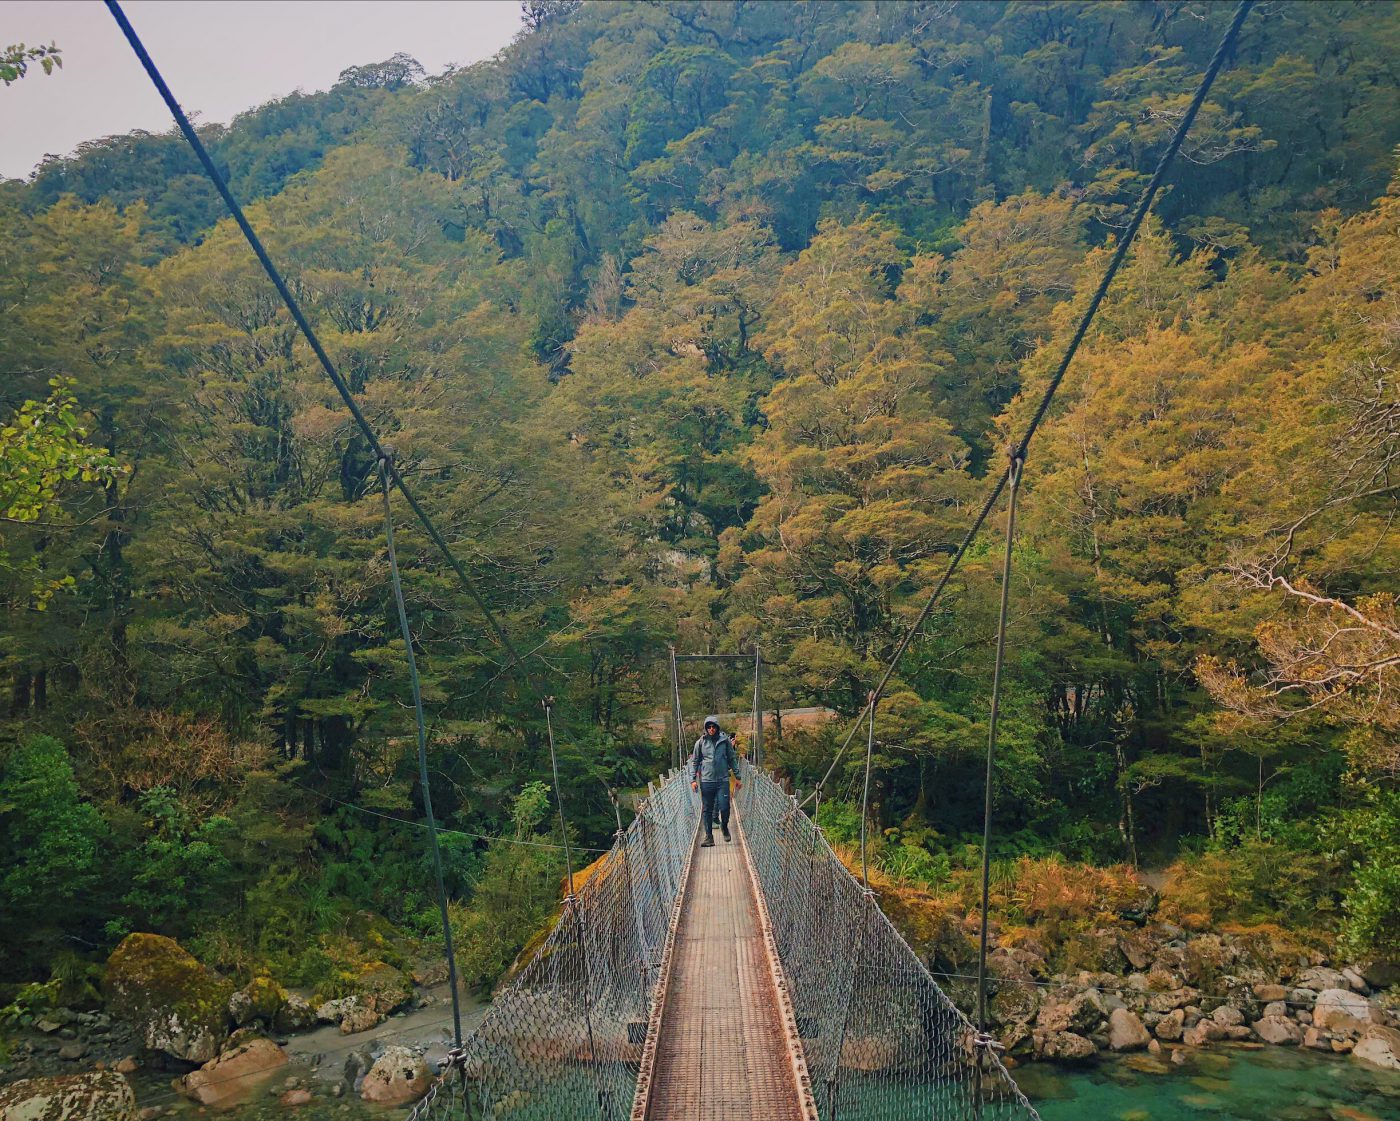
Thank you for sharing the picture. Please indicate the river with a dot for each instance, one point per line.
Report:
(1275, 1084)
(1223, 1083)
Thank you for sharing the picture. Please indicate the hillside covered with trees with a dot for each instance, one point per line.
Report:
(703, 324)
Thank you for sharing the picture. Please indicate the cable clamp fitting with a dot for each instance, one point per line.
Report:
(984, 1042)
(455, 1058)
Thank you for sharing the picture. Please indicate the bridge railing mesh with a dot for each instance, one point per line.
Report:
(882, 1041)
(564, 1037)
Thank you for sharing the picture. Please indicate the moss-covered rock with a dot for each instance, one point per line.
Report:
(260, 1001)
(76, 1097)
(177, 1005)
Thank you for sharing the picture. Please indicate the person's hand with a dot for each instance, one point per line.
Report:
(738, 785)
(694, 786)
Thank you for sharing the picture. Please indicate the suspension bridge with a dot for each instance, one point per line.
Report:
(753, 981)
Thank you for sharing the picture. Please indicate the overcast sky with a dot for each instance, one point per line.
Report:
(219, 56)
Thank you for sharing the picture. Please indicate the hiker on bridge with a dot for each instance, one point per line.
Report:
(712, 761)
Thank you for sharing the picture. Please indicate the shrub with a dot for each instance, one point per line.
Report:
(1258, 882)
(1372, 901)
(48, 846)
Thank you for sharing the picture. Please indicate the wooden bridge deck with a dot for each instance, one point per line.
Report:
(724, 1051)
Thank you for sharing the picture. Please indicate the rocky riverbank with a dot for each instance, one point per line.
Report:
(172, 1034)
(1192, 992)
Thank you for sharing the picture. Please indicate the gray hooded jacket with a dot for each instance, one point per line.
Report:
(713, 759)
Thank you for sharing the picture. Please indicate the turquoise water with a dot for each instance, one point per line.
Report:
(1277, 1084)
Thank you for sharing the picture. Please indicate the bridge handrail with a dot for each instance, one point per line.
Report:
(882, 1040)
(565, 1035)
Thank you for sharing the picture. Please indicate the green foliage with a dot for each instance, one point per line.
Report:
(43, 450)
(16, 58)
(179, 869)
(703, 323)
(50, 841)
(514, 896)
(1371, 833)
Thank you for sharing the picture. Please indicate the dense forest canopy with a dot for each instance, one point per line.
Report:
(703, 323)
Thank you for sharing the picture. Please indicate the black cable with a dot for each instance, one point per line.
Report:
(442, 829)
(1014, 474)
(865, 798)
(300, 319)
(558, 794)
(385, 468)
(1019, 453)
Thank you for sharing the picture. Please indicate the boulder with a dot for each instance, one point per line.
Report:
(129, 1064)
(1337, 1008)
(258, 1002)
(332, 1011)
(1317, 1040)
(1270, 993)
(1125, 1031)
(294, 1015)
(1172, 999)
(176, 1004)
(1203, 1032)
(1227, 1015)
(104, 1095)
(1380, 974)
(397, 1078)
(234, 1075)
(1380, 1047)
(295, 1098)
(1278, 1029)
(1063, 1047)
(353, 1013)
(1355, 980)
(359, 1018)
(1171, 1026)
(1081, 1012)
(1319, 978)
(72, 1052)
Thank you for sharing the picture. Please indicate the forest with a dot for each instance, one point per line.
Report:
(708, 325)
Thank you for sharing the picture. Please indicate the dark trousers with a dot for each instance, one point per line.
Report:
(714, 794)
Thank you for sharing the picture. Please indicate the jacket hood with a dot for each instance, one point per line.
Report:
(711, 719)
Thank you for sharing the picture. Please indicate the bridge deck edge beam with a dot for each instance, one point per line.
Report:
(641, 1099)
(802, 1079)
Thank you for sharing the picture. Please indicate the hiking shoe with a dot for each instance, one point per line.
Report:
(707, 843)
(727, 837)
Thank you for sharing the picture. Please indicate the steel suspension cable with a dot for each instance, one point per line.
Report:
(515, 661)
(1018, 454)
(384, 475)
(1014, 473)
(571, 904)
(341, 387)
(865, 798)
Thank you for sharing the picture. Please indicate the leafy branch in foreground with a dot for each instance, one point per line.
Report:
(16, 59)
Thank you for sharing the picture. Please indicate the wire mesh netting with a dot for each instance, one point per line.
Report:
(882, 1041)
(563, 1039)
